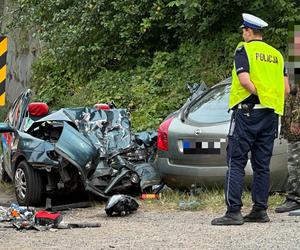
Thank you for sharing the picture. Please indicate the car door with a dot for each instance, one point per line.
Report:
(14, 118)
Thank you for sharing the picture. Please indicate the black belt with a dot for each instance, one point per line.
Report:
(250, 106)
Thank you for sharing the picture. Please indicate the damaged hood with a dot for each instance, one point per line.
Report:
(101, 145)
(109, 130)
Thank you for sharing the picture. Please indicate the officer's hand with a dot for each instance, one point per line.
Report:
(295, 128)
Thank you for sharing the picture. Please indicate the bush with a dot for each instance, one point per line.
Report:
(138, 53)
(150, 93)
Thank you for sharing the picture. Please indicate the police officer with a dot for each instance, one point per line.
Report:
(291, 131)
(257, 98)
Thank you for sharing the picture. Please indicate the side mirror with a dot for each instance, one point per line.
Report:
(5, 128)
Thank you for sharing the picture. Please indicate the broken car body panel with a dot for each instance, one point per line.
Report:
(76, 148)
(34, 150)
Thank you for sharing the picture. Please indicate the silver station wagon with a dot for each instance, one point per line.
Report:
(192, 143)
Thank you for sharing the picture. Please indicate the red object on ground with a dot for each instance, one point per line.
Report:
(38, 109)
(44, 218)
(149, 196)
(102, 106)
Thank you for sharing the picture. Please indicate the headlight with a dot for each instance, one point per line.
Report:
(134, 178)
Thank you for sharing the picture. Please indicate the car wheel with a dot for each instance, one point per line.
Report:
(3, 175)
(28, 185)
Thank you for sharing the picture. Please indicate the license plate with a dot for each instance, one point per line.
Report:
(201, 147)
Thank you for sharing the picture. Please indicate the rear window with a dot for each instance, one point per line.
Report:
(212, 107)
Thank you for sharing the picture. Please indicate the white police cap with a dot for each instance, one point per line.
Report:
(253, 22)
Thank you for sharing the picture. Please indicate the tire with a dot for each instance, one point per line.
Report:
(3, 175)
(28, 184)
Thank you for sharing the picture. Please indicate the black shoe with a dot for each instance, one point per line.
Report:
(257, 215)
(229, 219)
(287, 206)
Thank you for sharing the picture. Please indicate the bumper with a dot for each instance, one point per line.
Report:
(184, 176)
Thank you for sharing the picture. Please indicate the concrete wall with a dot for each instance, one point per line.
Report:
(22, 50)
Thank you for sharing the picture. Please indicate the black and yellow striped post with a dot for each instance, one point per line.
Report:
(3, 54)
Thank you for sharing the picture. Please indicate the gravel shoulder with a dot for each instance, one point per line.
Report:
(158, 230)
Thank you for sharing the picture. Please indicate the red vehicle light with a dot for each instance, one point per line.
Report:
(102, 106)
(162, 137)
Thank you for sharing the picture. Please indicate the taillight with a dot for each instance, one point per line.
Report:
(102, 106)
(162, 137)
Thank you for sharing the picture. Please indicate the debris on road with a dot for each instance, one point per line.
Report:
(77, 225)
(45, 218)
(121, 205)
(295, 213)
(17, 216)
(150, 196)
(190, 205)
(25, 218)
(50, 207)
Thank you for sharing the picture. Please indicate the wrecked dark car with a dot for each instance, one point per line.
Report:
(91, 149)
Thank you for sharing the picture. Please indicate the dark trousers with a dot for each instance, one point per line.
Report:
(249, 132)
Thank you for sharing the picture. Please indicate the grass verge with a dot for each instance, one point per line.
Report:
(171, 200)
(208, 200)
(6, 187)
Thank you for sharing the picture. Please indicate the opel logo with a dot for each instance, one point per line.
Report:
(198, 132)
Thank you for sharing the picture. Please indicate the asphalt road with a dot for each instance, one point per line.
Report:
(158, 230)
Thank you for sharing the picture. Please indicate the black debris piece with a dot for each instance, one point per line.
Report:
(121, 205)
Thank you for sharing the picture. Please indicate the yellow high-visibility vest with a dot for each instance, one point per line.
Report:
(266, 73)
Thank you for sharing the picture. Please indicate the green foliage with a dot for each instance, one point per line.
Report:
(94, 34)
(97, 34)
(139, 53)
(208, 199)
(150, 93)
(3, 112)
